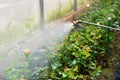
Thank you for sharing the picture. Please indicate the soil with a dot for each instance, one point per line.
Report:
(73, 15)
(113, 60)
(80, 11)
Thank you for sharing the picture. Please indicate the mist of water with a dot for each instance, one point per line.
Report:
(54, 34)
(36, 43)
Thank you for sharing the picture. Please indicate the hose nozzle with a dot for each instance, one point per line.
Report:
(76, 23)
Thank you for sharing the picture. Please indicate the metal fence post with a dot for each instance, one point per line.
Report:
(42, 14)
(75, 5)
(108, 41)
(75, 10)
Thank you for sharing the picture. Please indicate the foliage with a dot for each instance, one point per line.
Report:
(100, 12)
(29, 23)
(64, 9)
(40, 73)
(76, 58)
(61, 11)
(16, 32)
(18, 72)
(23, 72)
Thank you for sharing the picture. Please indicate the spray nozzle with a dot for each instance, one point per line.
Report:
(76, 23)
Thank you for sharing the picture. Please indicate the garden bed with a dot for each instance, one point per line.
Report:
(82, 54)
(83, 51)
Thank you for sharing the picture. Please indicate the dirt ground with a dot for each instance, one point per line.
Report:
(113, 60)
(74, 15)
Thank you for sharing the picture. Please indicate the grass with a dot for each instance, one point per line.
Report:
(61, 11)
(16, 32)
(64, 9)
(12, 35)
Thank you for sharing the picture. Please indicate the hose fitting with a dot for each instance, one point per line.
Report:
(76, 23)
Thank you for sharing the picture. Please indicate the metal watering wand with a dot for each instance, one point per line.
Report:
(78, 22)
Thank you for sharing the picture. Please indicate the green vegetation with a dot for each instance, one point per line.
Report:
(17, 32)
(61, 11)
(100, 12)
(77, 57)
(64, 9)
(82, 54)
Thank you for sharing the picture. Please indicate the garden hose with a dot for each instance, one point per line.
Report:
(77, 22)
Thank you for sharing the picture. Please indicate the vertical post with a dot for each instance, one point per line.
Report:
(75, 9)
(108, 41)
(75, 5)
(42, 14)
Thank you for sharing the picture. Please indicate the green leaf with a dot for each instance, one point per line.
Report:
(64, 75)
(76, 68)
(74, 62)
(54, 67)
(71, 74)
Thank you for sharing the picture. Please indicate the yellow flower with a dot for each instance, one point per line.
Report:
(26, 52)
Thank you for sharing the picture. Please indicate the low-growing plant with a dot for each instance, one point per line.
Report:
(79, 56)
(76, 57)
(19, 72)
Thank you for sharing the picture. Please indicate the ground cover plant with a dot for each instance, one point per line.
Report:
(76, 58)
(83, 51)
(100, 12)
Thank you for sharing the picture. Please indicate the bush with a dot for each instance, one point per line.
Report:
(77, 56)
